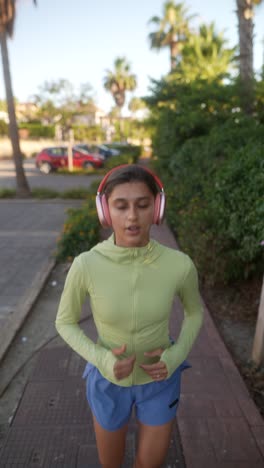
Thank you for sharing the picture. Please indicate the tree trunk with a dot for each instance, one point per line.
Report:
(22, 187)
(174, 51)
(245, 28)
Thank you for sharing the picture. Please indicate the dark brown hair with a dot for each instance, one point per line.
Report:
(130, 173)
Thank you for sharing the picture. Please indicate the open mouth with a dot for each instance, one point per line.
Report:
(133, 230)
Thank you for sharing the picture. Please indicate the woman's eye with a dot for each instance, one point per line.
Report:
(143, 206)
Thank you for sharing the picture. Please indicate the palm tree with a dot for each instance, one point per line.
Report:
(245, 13)
(7, 20)
(172, 30)
(205, 55)
(136, 104)
(119, 81)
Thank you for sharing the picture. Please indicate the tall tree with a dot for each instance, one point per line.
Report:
(172, 30)
(58, 101)
(245, 13)
(136, 104)
(205, 56)
(7, 20)
(119, 81)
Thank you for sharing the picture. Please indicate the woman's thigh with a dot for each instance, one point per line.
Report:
(110, 445)
(153, 445)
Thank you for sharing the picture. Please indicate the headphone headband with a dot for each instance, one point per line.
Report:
(103, 182)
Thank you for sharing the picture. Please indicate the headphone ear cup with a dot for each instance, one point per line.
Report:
(156, 209)
(107, 218)
(159, 208)
(103, 211)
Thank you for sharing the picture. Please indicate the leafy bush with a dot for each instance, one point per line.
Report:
(37, 130)
(114, 161)
(198, 159)
(81, 231)
(93, 133)
(3, 128)
(236, 201)
(132, 150)
(44, 193)
(216, 201)
(77, 193)
(210, 158)
(7, 193)
(185, 111)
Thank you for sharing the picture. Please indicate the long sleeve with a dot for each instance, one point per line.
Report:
(193, 318)
(68, 316)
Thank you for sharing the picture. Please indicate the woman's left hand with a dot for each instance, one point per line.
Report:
(157, 371)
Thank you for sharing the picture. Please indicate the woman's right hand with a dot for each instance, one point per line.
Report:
(123, 367)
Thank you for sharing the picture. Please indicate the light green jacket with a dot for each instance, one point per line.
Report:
(131, 293)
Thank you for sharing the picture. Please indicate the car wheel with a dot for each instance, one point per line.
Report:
(88, 166)
(45, 167)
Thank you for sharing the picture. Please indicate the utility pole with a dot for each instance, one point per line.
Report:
(70, 145)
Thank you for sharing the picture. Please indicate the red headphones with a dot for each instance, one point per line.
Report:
(102, 205)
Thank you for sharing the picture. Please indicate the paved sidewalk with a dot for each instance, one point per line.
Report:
(218, 424)
(28, 233)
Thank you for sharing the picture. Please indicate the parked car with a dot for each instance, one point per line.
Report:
(108, 152)
(104, 150)
(53, 158)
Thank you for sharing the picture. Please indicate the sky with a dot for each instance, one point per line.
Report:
(78, 40)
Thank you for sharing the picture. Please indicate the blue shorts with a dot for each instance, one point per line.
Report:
(155, 403)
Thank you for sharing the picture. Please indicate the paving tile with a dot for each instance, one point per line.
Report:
(53, 403)
(57, 364)
(251, 412)
(194, 462)
(48, 447)
(232, 440)
(235, 380)
(193, 406)
(237, 464)
(198, 453)
(227, 407)
(207, 366)
(87, 457)
(258, 433)
(193, 428)
(52, 364)
(215, 386)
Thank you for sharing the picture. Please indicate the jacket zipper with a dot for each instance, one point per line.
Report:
(134, 314)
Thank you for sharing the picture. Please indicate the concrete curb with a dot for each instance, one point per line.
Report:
(16, 318)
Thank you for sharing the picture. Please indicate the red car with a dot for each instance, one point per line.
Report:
(50, 159)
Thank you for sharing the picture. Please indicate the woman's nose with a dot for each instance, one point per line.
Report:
(132, 212)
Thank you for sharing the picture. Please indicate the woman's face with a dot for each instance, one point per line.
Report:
(131, 208)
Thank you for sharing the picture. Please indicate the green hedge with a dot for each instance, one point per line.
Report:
(127, 149)
(84, 133)
(209, 155)
(3, 128)
(215, 188)
(37, 130)
(81, 231)
(123, 158)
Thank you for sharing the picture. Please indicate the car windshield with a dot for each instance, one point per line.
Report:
(60, 151)
(86, 148)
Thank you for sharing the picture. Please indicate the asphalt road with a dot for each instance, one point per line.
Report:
(36, 179)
